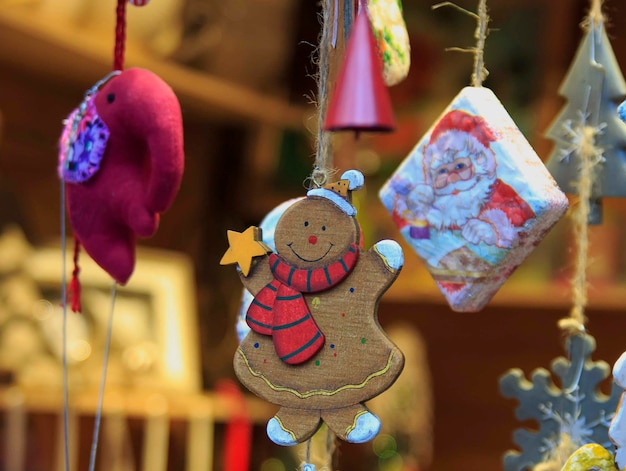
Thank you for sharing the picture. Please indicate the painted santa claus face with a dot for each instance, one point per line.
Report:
(457, 162)
(460, 171)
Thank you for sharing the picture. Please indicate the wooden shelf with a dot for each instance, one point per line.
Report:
(137, 404)
(160, 418)
(66, 53)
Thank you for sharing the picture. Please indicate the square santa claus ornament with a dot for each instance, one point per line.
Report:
(473, 199)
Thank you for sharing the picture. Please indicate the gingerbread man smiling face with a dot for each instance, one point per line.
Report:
(309, 235)
(316, 347)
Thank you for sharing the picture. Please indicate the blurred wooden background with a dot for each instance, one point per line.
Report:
(242, 71)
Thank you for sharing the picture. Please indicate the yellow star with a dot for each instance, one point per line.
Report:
(243, 247)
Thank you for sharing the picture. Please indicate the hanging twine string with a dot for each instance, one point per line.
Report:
(120, 35)
(323, 156)
(595, 18)
(480, 72)
(590, 157)
(588, 152)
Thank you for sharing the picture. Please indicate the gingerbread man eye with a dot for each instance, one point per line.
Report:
(323, 228)
(111, 97)
(306, 223)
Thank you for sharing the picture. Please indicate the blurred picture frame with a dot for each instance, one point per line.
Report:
(154, 338)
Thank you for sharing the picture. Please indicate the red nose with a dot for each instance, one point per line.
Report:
(313, 239)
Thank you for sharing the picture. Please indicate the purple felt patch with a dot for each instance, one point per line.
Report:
(83, 143)
(419, 232)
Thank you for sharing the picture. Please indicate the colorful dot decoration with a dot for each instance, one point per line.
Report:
(256, 345)
(352, 290)
(363, 340)
(317, 363)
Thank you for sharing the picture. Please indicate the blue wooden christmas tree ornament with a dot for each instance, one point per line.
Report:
(594, 87)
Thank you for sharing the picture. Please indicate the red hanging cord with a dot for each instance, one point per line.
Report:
(73, 289)
(120, 35)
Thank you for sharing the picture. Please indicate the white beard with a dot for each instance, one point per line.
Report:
(455, 210)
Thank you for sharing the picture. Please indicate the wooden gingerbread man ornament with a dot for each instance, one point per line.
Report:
(316, 348)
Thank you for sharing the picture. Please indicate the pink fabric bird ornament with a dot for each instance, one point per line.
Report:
(122, 162)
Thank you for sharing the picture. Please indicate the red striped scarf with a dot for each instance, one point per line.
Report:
(280, 310)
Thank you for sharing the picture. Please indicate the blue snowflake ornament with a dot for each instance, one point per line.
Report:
(578, 409)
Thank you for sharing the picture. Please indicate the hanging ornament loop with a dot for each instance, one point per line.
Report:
(318, 178)
(480, 72)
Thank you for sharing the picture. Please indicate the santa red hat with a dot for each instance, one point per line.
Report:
(459, 120)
